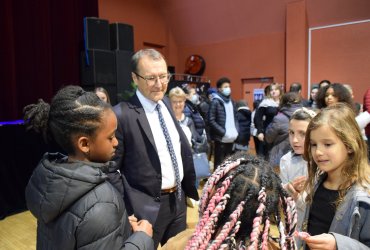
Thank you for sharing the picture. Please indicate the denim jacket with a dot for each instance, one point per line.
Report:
(351, 223)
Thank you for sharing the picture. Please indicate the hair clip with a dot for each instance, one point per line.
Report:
(310, 112)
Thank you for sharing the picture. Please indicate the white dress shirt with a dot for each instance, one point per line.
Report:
(168, 172)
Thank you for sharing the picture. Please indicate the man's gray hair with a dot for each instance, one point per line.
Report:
(152, 53)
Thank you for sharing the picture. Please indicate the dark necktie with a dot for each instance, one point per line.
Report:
(170, 150)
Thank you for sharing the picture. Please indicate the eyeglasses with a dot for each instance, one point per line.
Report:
(151, 80)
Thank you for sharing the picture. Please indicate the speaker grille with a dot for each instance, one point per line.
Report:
(97, 33)
(122, 36)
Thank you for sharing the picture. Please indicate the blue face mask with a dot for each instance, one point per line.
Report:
(226, 91)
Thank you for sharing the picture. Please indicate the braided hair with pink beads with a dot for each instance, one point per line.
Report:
(240, 201)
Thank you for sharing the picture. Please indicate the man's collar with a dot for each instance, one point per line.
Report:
(148, 105)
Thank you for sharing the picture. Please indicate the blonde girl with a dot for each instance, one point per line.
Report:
(337, 214)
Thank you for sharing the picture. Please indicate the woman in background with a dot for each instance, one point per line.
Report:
(266, 111)
(102, 93)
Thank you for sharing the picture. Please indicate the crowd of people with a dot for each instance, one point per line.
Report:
(125, 173)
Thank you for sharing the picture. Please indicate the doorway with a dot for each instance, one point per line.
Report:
(252, 86)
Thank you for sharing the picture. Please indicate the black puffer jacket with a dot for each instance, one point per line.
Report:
(217, 117)
(76, 208)
(244, 116)
(192, 111)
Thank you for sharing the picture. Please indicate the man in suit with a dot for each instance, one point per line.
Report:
(143, 155)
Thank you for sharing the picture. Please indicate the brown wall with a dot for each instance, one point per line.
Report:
(149, 25)
(253, 57)
(342, 54)
(259, 56)
(296, 45)
(282, 56)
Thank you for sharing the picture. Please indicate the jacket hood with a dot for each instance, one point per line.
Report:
(243, 108)
(288, 111)
(220, 96)
(56, 184)
(268, 102)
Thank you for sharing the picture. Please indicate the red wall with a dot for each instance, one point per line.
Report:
(253, 57)
(296, 45)
(259, 56)
(342, 54)
(149, 25)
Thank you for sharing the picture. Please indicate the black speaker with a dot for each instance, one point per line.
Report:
(96, 33)
(121, 36)
(123, 69)
(98, 67)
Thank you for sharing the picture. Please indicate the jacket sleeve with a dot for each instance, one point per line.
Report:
(272, 130)
(105, 224)
(258, 119)
(139, 241)
(360, 230)
(347, 243)
(363, 119)
(214, 126)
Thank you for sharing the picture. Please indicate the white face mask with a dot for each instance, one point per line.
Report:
(195, 99)
(226, 91)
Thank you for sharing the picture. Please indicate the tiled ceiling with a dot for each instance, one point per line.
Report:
(195, 22)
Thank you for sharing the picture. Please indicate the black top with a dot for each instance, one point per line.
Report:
(322, 210)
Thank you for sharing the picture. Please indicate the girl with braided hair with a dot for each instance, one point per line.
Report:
(75, 205)
(240, 201)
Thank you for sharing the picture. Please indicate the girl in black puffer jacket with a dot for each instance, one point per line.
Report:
(75, 206)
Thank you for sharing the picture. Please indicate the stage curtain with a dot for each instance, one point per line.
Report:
(39, 50)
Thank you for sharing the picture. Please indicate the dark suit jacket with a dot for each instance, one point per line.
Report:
(138, 160)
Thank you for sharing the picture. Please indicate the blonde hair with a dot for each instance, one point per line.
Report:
(341, 119)
(177, 92)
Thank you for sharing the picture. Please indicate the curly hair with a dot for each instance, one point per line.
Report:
(340, 91)
(239, 202)
(72, 112)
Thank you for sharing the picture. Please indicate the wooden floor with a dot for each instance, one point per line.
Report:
(18, 232)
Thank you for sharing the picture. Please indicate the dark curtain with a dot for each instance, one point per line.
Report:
(40, 45)
(40, 49)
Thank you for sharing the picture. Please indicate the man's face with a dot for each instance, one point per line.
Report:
(224, 86)
(147, 68)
